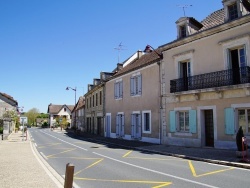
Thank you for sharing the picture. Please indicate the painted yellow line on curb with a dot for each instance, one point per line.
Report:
(208, 173)
(128, 181)
(50, 156)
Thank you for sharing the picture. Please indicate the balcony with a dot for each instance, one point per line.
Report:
(211, 80)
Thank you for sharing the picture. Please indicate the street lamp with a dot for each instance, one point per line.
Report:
(149, 48)
(74, 89)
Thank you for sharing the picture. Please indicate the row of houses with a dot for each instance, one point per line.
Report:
(193, 91)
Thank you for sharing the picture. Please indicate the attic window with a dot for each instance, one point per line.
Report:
(64, 109)
(232, 11)
(183, 31)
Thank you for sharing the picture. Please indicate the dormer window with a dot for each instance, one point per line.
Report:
(232, 11)
(235, 9)
(187, 26)
(183, 31)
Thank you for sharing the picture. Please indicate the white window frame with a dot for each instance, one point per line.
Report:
(143, 122)
(137, 87)
(233, 43)
(236, 108)
(229, 3)
(183, 57)
(118, 89)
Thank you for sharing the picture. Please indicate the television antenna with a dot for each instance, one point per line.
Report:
(183, 8)
(119, 48)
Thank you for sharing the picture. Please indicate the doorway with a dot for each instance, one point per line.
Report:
(209, 128)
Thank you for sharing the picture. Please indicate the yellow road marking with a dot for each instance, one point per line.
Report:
(209, 173)
(128, 181)
(93, 164)
(127, 153)
(47, 145)
(50, 156)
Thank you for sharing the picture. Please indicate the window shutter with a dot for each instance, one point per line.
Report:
(139, 126)
(172, 121)
(229, 120)
(107, 126)
(132, 126)
(121, 89)
(192, 121)
(115, 90)
(117, 125)
(139, 85)
(132, 86)
(123, 126)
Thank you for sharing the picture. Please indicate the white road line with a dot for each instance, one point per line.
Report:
(44, 156)
(65, 141)
(154, 171)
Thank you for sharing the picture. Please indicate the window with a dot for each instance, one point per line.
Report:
(146, 121)
(232, 11)
(136, 85)
(182, 30)
(64, 109)
(87, 103)
(118, 89)
(185, 73)
(244, 120)
(96, 99)
(183, 121)
(100, 98)
(93, 97)
(90, 102)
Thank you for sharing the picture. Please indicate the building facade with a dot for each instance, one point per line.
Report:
(132, 100)
(206, 79)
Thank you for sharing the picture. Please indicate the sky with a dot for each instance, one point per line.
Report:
(48, 45)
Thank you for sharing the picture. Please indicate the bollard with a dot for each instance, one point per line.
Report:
(69, 174)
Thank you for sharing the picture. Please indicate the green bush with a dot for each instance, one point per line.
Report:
(1, 130)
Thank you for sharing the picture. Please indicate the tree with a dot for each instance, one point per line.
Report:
(32, 115)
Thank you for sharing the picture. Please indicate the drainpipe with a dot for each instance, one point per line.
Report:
(160, 96)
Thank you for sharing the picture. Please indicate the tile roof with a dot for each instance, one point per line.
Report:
(80, 104)
(9, 97)
(54, 109)
(144, 60)
(214, 19)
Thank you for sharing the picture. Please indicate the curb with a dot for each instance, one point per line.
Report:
(226, 163)
(56, 178)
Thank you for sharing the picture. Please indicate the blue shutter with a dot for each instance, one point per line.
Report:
(139, 85)
(132, 86)
(139, 126)
(123, 126)
(115, 91)
(117, 125)
(172, 121)
(132, 126)
(192, 121)
(229, 120)
(121, 90)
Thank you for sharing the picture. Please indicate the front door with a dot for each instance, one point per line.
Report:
(99, 124)
(209, 128)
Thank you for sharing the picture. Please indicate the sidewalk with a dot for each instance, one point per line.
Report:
(21, 166)
(211, 155)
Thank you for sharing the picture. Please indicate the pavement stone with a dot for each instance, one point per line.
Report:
(20, 166)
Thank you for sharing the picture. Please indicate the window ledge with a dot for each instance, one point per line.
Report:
(183, 134)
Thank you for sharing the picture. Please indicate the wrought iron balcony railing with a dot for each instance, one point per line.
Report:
(211, 80)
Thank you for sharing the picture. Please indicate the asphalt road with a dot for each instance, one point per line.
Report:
(99, 165)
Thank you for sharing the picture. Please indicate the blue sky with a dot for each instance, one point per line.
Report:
(47, 45)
